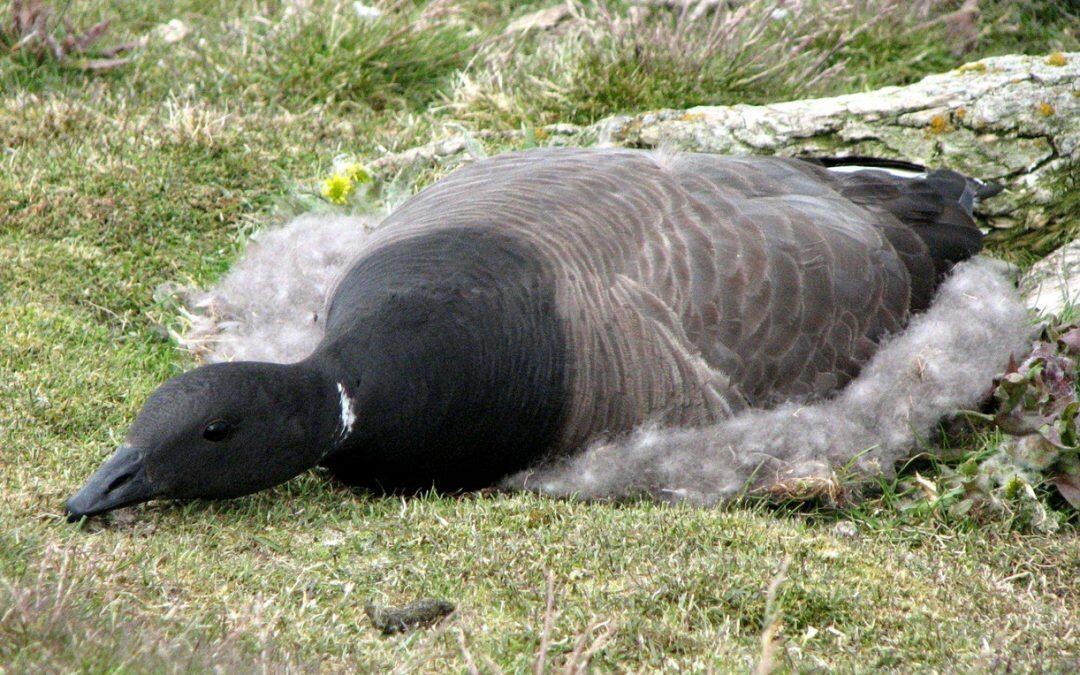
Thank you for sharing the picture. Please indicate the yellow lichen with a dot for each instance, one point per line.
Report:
(960, 113)
(1045, 109)
(938, 125)
(976, 67)
(1056, 59)
(692, 117)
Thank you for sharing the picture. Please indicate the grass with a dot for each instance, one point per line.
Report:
(114, 183)
(611, 64)
(1031, 244)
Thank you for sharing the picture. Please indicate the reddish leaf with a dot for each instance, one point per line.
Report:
(115, 50)
(92, 34)
(34, 30)
(1071, 340)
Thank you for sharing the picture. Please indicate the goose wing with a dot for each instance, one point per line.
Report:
(690, 285)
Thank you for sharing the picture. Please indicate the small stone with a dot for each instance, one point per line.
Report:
(366, 12)
(544, 19)
(419, 614)
(173, 31)
(561, 129)
(845, 529)
(1054, 282)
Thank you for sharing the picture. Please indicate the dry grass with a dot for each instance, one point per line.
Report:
(59, 620)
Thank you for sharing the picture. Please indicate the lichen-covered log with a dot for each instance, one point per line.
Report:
(1013, 119)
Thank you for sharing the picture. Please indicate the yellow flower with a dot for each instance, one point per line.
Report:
(337, 188)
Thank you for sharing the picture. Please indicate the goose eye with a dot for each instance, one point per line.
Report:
(217, 431)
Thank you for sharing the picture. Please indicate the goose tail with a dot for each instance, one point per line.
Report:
(961, 189)
(937, 206)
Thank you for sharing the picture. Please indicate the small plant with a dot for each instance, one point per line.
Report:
(35, 30)
(342, 183)
(1036, 443)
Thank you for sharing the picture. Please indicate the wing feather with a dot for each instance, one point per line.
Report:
(690, 285)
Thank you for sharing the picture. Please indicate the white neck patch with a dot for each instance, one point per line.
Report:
(348, 417)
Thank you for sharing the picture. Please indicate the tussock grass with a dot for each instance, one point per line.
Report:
(612, 60)
(330, 55)
(609, 61)
(1064, 208)
(114, 183)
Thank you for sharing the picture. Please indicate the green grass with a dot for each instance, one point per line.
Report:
(1030, 244)
(112, 184)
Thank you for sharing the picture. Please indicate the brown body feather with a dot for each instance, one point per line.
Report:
(694, 285)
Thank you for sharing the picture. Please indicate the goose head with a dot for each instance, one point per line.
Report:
(218, 431)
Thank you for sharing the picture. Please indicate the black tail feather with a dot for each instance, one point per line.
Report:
(936, 206)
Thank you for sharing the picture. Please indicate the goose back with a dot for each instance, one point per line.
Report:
(689, 286)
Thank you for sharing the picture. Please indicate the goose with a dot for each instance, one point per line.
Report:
(534, 303)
